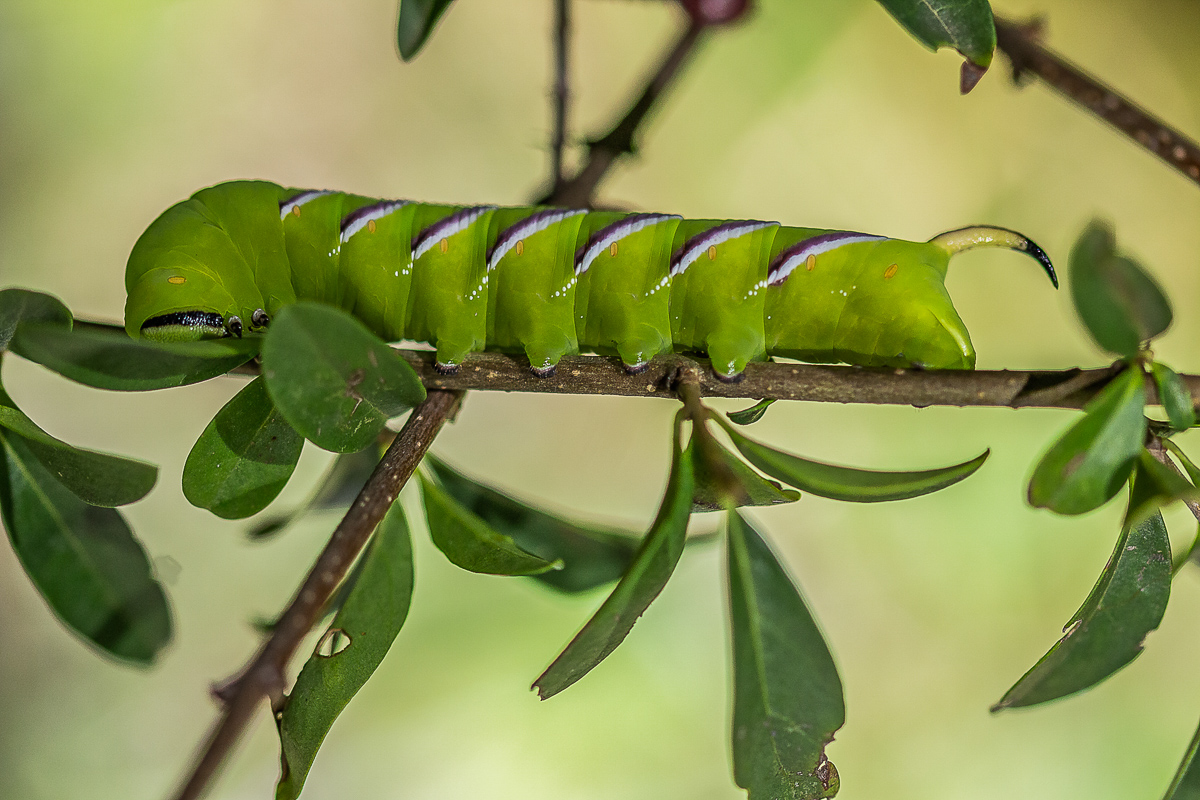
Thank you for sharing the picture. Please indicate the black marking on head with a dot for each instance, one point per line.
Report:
(186, 319)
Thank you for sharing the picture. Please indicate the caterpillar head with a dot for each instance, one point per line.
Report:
(180, 305)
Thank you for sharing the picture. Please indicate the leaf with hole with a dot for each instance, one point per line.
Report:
(21, 305)
(591, 555)
(1089, 463)
(244, 458)
(642, 582)
(787, 696)
(1110, 628)
(99, 479)
(1174, 396)
(332, 379)
(1120, 304)
(847, 483)
(367, 623)
(965, 25)
(108, 359)
(415, 24)
(723, 481)
(83, 559)
(469, 542)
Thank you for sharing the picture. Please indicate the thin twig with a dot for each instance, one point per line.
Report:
(562, 35)
(1028, 57)
(265, 676)
(621, 140)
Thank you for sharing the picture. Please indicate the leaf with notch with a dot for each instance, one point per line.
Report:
(469, 542)
(846, 483)
(83, 559)
(965, 25)
(338, 487)
(21, 305)
(591, 555)
(1174, 396)
(108, 359)
(244, 458)
(370, 617)
(1126, 604)
(416, 23)
(645, 579)
(787, 696)
(1120, 304)
(99, 479)
(723, 481)
(1089, 463)
(332, 379)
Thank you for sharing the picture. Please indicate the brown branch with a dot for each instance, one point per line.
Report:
(621, 140)
(562, 34)
(264, 677)
(1070, 388)
(1028, 57)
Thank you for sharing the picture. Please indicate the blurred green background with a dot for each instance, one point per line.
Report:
(821, 113)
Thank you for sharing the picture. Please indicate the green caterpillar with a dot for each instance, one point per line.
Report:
(548, 282)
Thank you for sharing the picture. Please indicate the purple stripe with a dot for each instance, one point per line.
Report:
(448, 225)
(616, 231)
(534, 223)
(386, 206)
(787, 260)
(715, 235)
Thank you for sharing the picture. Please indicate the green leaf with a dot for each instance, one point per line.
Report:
(1087, 466)
(1193, 472)
(748, 416)
(417, 19)
(84, 560)
(21, 305)
(647, 575)
(332, 379)
(96, 478)
(591, 555)
(846, 483)
(338, 488)
(368, 621)
(1126, 604)
(723, 480)
(965, 25)
(1161, 486)
(1186, 783)
(111, 360)
(1119, 303)
(787, 697)
(244, 458)
(1174, 396)
(469, 542)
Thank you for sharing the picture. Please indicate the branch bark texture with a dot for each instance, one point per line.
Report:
(265, 677)
(1020, 42)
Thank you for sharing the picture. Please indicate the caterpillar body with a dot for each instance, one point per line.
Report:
(548, 282)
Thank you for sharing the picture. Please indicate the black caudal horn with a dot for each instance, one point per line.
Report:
(971, 237)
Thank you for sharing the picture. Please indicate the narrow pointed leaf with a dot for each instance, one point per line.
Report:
(1160, 486)
(591, 555)
(1087, 466)
(417, 20)
(370, 617)
(965, 25)
(748, 416)
(21, 305)
(100, 479)
(644, 581)
(469, 542)
(244, 458)
(1186, 783)
(847, 483)
(723, 481)
(1193, 472)
(337, 488)
(1174, 396)
(332, 379)
(1120, 304)
(83, 559)
(111, 360)
(1110, 628)
(787, 697)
